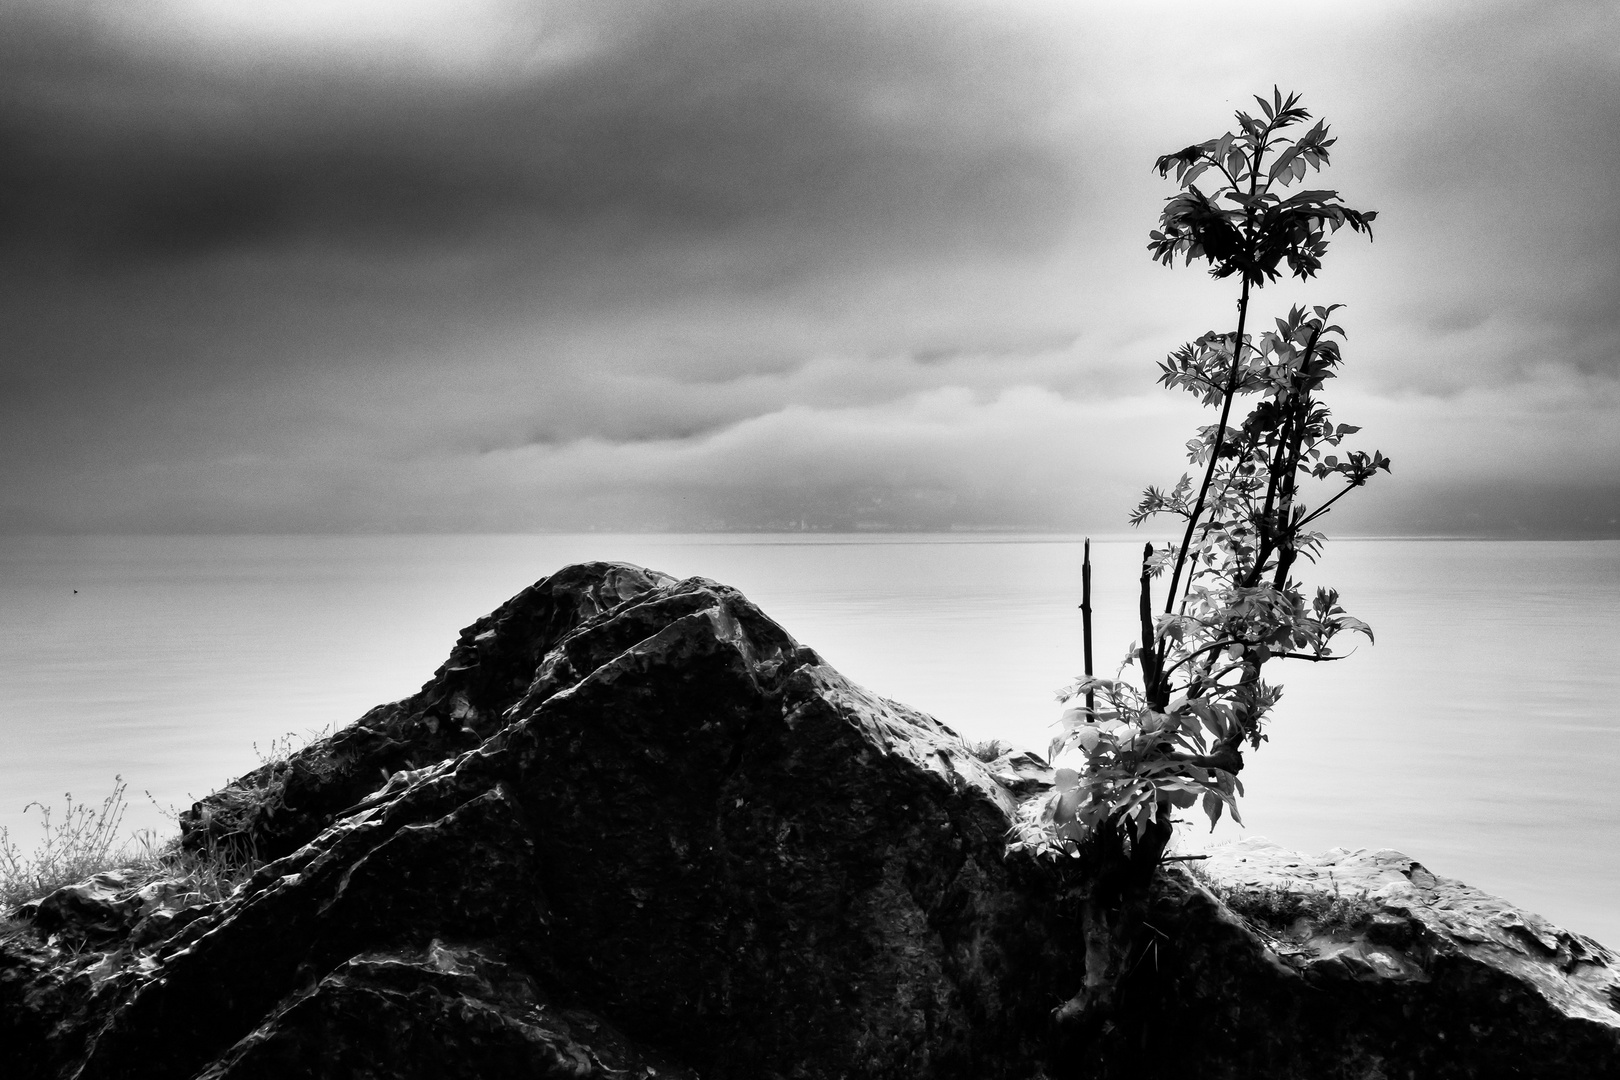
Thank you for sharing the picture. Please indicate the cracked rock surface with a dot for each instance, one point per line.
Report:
(666, 814)
(631, 828)
(1382, 968)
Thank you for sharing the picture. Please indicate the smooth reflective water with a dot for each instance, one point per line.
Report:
(1481, 735)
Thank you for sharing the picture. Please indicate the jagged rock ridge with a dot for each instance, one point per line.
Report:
(632, 828)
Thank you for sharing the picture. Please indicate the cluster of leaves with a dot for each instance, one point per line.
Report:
(1243, 226)
(1139, 763)
(1232, 604)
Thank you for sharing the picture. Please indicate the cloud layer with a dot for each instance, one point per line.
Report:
(511, 265)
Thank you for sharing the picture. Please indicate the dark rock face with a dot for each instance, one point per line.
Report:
(279, 807)
(633, 829)
(440, 1011)
(1400, 971)
(651, 801)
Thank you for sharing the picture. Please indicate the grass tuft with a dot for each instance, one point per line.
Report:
(84, 841)
(282, 749)
(988, 750)
(1278, 910)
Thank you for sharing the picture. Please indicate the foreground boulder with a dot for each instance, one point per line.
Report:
(632, 828)
(1419, 972)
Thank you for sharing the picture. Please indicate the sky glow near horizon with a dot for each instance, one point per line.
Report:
(509, 266)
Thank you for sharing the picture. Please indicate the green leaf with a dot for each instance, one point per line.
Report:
(1212, 808)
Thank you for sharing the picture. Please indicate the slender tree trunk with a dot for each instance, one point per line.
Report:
(1215, 451)
(1275, 531)
(1085, 622)
(1152, 662)
(1286, 551)
(1111, 915)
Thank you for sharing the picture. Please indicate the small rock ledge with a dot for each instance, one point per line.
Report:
(631, 828)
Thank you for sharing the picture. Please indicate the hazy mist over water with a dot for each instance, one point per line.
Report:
(1480, 735)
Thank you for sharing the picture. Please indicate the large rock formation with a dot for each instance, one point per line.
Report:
(631, 828)
(1410, 972)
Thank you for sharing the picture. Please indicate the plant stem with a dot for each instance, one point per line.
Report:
(1281, 479)
(1325, 507)
(1286, 551)
(1215, 451)
(1261, 146)
(1152, 676)
(1085, 623)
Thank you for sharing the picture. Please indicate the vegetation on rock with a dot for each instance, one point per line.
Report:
(86, 840)
(82, 850)
(685, 845)
(1175, 738)
(83, 841)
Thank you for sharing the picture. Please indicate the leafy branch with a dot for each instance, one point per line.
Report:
(1232, 604)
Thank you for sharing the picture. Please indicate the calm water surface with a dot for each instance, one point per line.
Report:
(1480, 735)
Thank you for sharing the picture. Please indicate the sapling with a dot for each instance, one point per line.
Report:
(1175, 736)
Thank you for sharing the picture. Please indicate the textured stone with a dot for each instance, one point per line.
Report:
(108, 906)
(1414, 917)
(273, 810)
(441, 1012)
(680, 821)
(633, 828)
(1362, 965)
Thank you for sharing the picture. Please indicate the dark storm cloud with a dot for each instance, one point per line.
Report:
(683, 118)
(216, 259)
(698, 264)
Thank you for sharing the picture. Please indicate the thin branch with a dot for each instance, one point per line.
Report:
(1237, 363)
(1152, 675)
(1215, 451)
(1197, 653)
(1320, 510)
(1085, 622)
(1192, 574)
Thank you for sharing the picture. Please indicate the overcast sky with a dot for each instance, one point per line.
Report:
(467, 265)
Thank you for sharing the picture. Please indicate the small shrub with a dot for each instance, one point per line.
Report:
(1276, 910)
(988, 750)
(83, 841)
(211, 873)
(1246, 508)
(1282, 908)
(282, 748)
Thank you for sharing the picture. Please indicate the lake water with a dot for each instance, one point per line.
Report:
(1481, 734)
